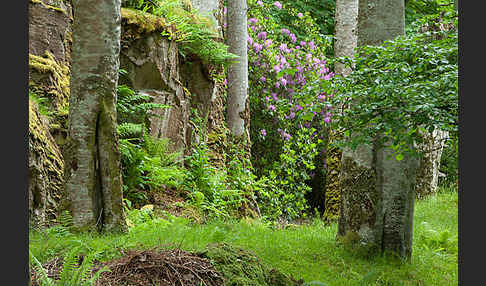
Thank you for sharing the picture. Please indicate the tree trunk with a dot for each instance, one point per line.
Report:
(93, 168)
(238, 113)
(346, 37)
(378, 192)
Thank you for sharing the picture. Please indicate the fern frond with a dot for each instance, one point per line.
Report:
(45, 280)
(130, 130)
(68, 267)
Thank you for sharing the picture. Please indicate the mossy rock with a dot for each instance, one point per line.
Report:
(51, 79)
(46, 170)
(243, 268)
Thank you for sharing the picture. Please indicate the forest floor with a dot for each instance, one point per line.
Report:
(305, 253)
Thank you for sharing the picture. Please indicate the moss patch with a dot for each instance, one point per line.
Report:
(333, 162)
(45, 164)
(358, 188)
(242, 268)
(58, 85)
(145, 22)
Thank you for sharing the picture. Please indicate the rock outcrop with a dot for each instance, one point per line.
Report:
(154, 67)
(46, 170)
(50, 26)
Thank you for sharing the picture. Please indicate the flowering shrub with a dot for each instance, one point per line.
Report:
(290, 86)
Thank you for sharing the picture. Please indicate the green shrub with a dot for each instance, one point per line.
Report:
(403, 86)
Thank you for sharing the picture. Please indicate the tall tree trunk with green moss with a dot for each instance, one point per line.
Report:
(93, 167)
(238, 113)
(377, 191)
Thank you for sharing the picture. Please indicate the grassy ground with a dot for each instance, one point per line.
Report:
(309, 252)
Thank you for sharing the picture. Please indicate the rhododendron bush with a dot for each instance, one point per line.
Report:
(289, 88)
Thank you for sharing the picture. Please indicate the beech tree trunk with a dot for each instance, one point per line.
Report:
(346, 37)
(238, 113)
(377, 191)
(93, 168)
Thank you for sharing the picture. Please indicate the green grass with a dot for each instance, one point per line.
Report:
(308, 252)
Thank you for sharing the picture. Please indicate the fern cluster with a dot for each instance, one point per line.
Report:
(211, 189)
(149, 165)
(72, 274)
(133, 109)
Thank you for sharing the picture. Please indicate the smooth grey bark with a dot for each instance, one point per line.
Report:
(93, 168)
(377, 191)
(237, 72)
(346, 37)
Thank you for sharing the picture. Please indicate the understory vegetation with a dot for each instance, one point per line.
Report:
(309, 252)
(180, 199)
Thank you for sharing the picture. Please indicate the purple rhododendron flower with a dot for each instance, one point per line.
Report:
(271, 107)
(278, 5)
(283, 47)
(292, 115)
(283, 81)
(302, 43)
(264, 132)
(298, 107)
(300, 15)
(258, 47)
(253, 20)
(293, 38)
(274, 95)
(250, 41)
(328, 76)
(312, 45)
(285, 31)
(327, 119)
(268, 42)
(262, 35)
(263, 79)
(277, 68)
(277, 84)
(259, 2)
(225, 82)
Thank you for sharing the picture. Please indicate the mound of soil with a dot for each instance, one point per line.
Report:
(149, 267)
(219, 264)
